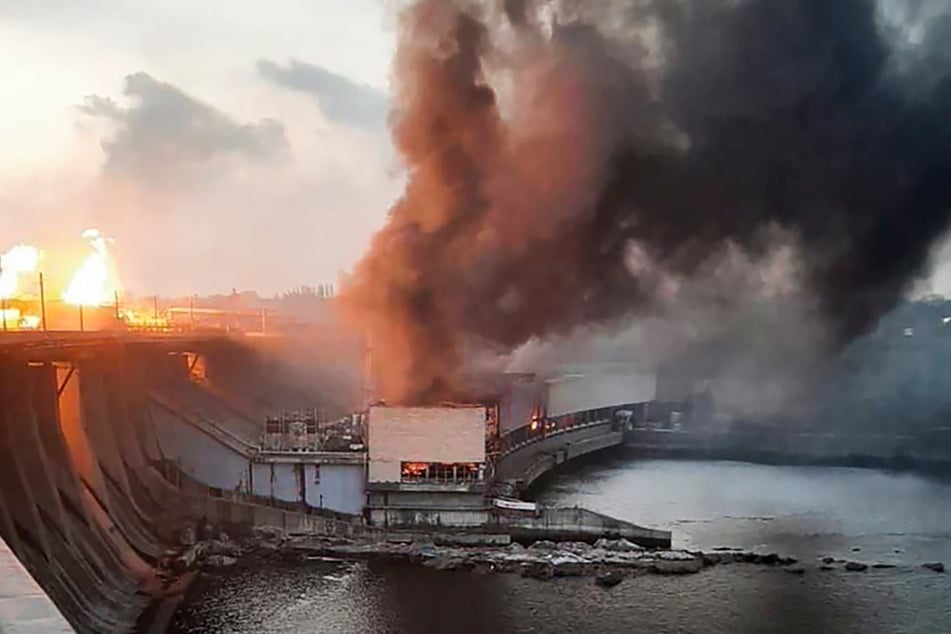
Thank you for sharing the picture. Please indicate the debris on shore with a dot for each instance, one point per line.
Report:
(607, 561)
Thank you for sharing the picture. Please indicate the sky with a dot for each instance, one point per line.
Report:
(221, 144)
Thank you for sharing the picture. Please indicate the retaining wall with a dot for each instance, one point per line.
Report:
(578, 524)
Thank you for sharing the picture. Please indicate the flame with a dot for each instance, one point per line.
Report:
(148, 321)
(20, 259)
(29, 322)
(90, 285)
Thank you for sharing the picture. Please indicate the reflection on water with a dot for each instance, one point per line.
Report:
(800, 511)
(813, 511)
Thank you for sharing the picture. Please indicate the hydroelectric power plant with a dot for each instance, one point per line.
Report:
(120, 447)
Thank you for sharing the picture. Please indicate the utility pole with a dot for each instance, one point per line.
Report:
(42, 302)
(3, 299)
(82, 326)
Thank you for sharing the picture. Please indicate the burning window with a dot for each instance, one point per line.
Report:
(441, 473)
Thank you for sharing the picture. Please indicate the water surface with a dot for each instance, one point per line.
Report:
(808, 512)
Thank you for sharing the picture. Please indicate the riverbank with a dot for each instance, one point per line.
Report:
(875, 519)
(608, 562)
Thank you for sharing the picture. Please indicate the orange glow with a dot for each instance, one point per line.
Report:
(29, 322)
(19, 260)
(147, 321)
(535, 420)
(93, 283)
(415, 469)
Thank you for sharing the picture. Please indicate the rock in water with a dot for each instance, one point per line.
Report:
(187, 536)
(444, 563)
(609, 579)
(219, 561)
(625, 546)
(617, 545)
(677, 567)
(544, 544)
(536, 570)
(854, 566)
(936, 566)
(575, 547)
(795, 570)
(567, 568)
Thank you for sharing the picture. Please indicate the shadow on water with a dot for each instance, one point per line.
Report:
(413, 599)
(785, 604)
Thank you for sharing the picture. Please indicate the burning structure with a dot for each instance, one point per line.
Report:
(436, 465)
(427, 465)
(86, 299)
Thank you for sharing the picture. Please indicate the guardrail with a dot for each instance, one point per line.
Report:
(549, 426)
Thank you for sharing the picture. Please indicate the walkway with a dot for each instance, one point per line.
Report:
(24, 607)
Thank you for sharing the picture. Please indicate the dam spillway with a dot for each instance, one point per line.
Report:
(95, 435)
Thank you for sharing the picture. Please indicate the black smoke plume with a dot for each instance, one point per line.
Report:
(553, 147)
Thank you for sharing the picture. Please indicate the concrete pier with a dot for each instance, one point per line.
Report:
(24, 607)
(579, 524)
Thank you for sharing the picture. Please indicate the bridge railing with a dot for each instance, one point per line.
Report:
(547, 426)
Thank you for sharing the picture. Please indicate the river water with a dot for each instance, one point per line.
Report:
(806, 512)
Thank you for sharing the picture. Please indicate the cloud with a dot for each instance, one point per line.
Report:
(167, 134)
(341, 99)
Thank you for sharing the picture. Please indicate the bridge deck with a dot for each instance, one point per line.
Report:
(24, 607)
(38, 345)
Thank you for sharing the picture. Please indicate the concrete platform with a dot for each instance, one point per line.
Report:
(579, 524)
(24, 607)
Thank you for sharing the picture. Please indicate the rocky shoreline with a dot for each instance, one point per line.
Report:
(608, 562)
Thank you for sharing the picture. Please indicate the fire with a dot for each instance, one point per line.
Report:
(19, 260)
(14, 319)
(91, 284)
(135, 319)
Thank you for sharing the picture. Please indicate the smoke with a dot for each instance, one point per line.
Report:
(744, 328)
(575, 163)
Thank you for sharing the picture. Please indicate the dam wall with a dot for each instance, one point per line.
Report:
(79, 498)
(107, 444)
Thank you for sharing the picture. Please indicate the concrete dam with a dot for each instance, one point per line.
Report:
(113, 445)
(108, 441)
